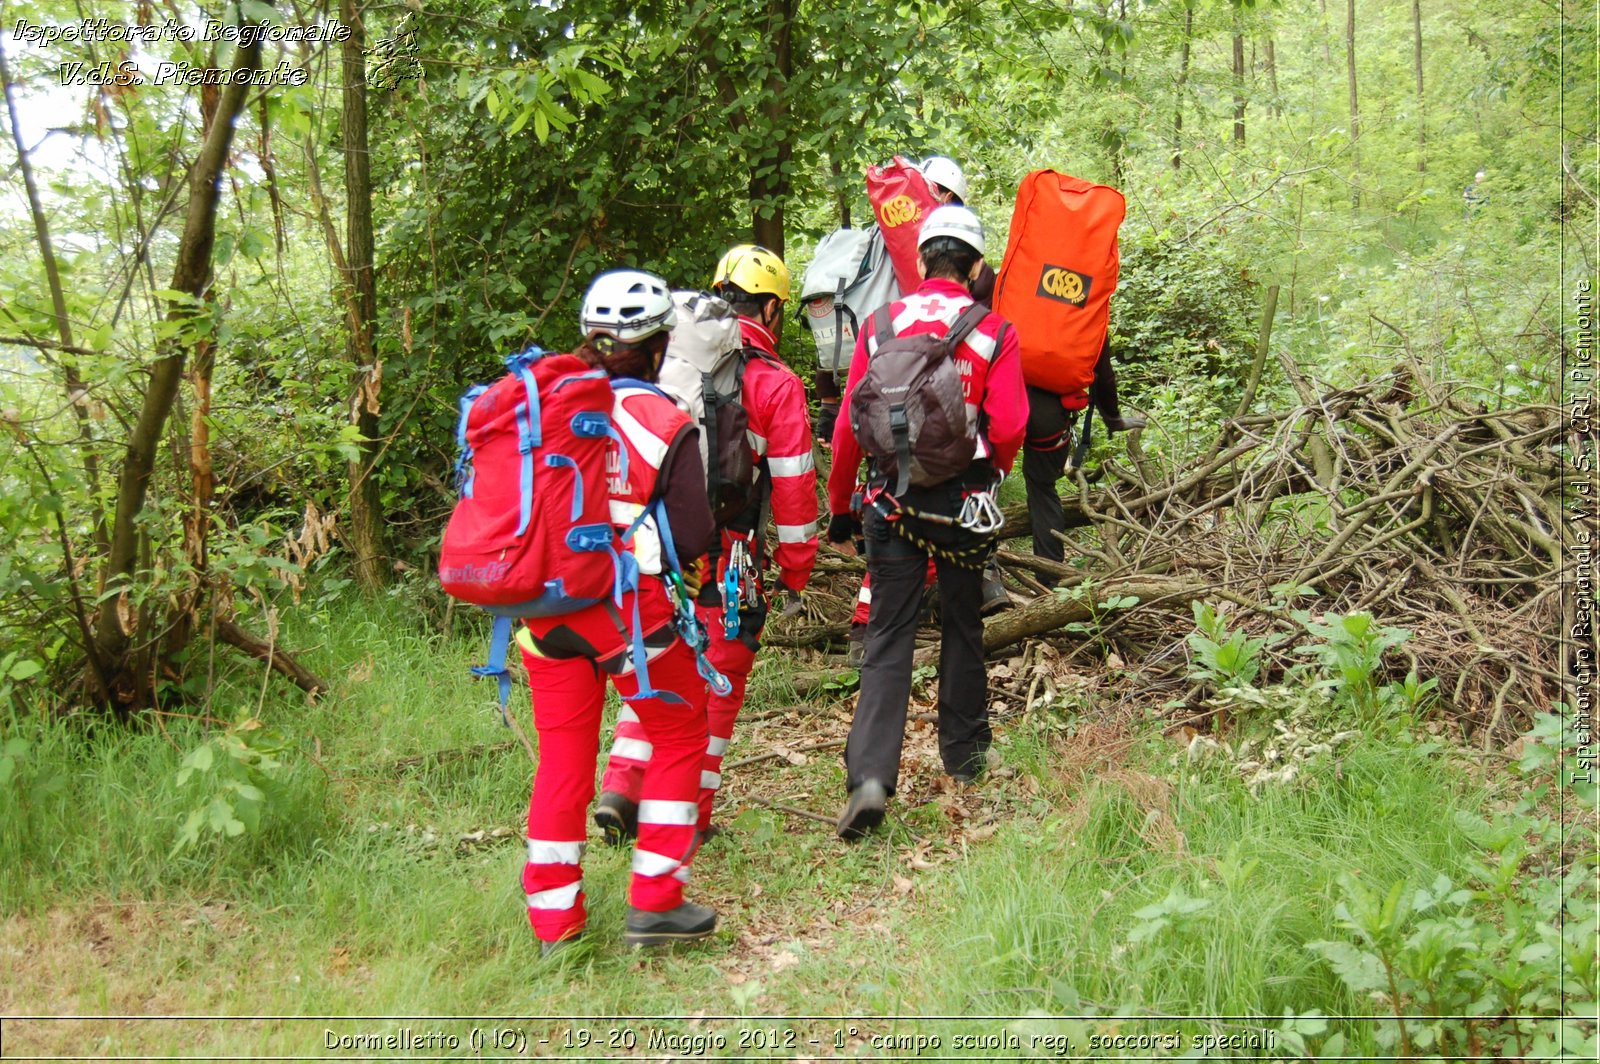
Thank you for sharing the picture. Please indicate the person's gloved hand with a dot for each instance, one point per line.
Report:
(793, 603)
(843, 528)
(694, 574)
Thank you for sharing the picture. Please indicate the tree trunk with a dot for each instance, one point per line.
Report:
(72, 379)
(366, 519)
(1355, 113)
(1327, 51)
(191, 275)
(1272, 76)
(769, 184)
(840, 192)
(1238, 79)
(185, 610)
(1422, 114)
(1183, 84)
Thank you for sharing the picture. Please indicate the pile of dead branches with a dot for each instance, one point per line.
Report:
(1399, 498)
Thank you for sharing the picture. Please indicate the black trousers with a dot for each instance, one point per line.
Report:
(898, 570)
(1045, 451)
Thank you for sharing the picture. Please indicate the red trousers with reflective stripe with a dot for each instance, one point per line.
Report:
(636, 747)
(568, 702)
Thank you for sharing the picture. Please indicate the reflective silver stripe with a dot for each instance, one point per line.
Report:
(710, 781)
(544, 851)
(717, 746)
(864, 596)
(981, 345)
(682, 874)
(627, 715)
(673, 814)
(646, 542)
(758, 443)
(646, 863)
(792, 466)
(556, 897)
(797, 533)
(650, 446)
(632, 749)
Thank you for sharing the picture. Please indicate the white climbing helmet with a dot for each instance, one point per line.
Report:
(628, 304)
(951, 220)
(943, 171)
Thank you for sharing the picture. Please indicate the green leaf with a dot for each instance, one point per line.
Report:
(25, 668)
(1361, 971)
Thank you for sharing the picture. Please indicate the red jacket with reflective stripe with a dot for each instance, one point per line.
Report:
(991, 380)
(780, 426)
(653, 430)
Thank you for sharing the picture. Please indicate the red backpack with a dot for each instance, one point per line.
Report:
(531, 534)
(900, 199)
(1056, 281)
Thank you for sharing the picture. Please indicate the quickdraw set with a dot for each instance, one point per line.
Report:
(740, 587)
(979, 514)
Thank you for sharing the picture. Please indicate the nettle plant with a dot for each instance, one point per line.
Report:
(1494, 966)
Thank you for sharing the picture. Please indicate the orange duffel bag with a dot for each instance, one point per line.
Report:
(900, 199)
(1056, 281)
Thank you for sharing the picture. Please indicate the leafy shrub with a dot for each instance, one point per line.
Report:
(1492, 966)
(1182, 322)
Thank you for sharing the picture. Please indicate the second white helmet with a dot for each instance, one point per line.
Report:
(951, 220)
(943, 171)
(628, 304)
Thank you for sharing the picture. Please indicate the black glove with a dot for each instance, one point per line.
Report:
(842, 528)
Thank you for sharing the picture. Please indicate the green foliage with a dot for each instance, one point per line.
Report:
(1224, 658)
(236, 778)
(1477, 960)
(1184, 320)
(1350, 649)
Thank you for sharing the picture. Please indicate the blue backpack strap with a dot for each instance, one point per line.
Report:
(554, 460)
(463, 448)
(525, 445)
(688, 625)
(499, 644)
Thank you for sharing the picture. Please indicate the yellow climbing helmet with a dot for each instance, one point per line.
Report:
(754, 269)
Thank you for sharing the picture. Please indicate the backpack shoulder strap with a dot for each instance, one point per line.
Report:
(882, 324)
(967, 321)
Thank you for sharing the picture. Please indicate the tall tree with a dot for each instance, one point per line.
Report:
(1355, 110)
(1416, 58)
(116, 648)
(1238, 72)
(71, 376)
(1183, 84)
(361, 303)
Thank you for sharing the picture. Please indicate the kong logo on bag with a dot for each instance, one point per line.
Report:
(899, 211)
(900, 199)
(1067, 286)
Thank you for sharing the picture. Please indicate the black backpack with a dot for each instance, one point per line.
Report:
(907, 410)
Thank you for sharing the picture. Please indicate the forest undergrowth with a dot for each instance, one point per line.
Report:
(1108, 868)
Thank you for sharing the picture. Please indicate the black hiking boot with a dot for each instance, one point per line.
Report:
(995, 595)
(684, 924)
(855, 651)
(1123, 422)
(617, 818)
(863, 811)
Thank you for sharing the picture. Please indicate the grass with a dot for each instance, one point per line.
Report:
(1089, 877)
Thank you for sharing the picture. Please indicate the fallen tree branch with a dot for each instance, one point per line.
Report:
(279, 659)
